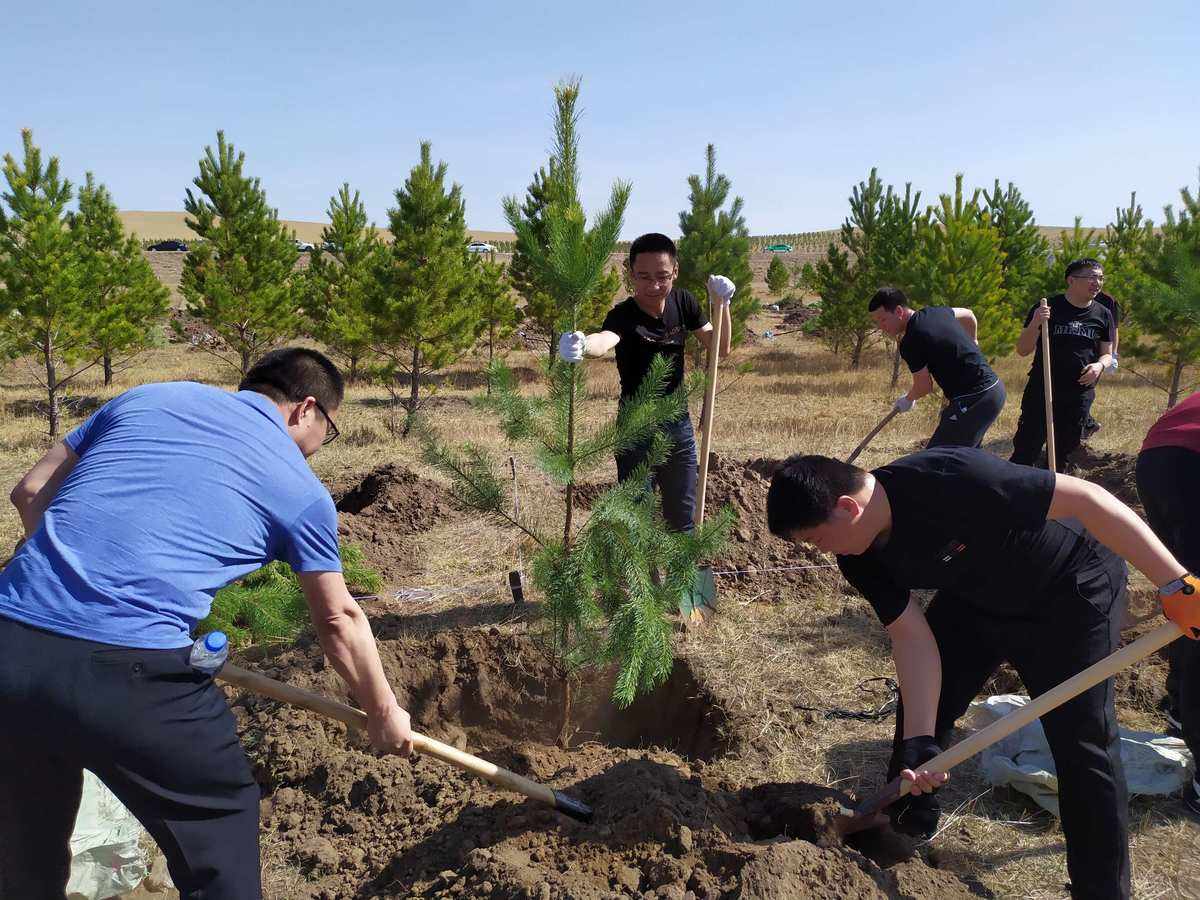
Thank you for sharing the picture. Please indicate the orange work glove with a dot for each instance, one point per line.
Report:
(1181, 604)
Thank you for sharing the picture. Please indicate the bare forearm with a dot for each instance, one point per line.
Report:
(726, 331)
(918, 669)
(348, 643)
(1028, 339)
(599, 343)
(1115, 526)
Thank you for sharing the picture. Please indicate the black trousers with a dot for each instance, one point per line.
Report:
(1050, 638)
(1168, 480)
(676, 477)
(1071, 410)
(965, 420)
(160, 736)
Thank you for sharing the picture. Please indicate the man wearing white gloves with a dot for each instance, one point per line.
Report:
(939, 344)
(653, 322)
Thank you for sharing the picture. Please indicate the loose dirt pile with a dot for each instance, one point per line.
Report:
(385, 511)
(770, 568)
(1115, 472)
(665, 823)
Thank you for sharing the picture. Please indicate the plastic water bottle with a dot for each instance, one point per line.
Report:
(209, 652)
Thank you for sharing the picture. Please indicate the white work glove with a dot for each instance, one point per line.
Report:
(720, 290)
(903, 404)
(1114, 362)
(570, 346)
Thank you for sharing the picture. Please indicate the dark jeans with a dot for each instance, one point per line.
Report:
(675, 478)
(1168, 481)
(1071, 409)
(1048, 639)
(155, 731)
(965, 420)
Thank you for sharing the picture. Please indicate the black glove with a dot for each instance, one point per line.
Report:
(915, 814)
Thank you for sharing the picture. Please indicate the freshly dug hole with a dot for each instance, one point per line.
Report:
(354, 824)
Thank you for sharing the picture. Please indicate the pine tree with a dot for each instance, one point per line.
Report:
(541, 311)
(338, 280)
(876, 241)
(716, 241)
(1024, 247)
(609, 584)
(958, 262)
(778, 277)
(125, 299)
(238, 278)
(1165, 286)
(426, 313)
(498, 309)
(44, 311)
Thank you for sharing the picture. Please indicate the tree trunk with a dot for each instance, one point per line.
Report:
(856, 354)
(51, 386)
(896, 366)
(1176, 376)
(414, 389)
(107, 368)
(568, 706)
(353, 368)
(245, 352)
(491, 353)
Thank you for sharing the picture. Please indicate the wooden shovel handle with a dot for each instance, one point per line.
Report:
(356, 718)
(1019, 718)
(1049, 399)
(709, 413)
(874, 431)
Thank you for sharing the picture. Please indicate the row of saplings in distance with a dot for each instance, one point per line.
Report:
(76, 292)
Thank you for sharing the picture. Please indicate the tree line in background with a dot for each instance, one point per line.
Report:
(76, 292)
(984, 251)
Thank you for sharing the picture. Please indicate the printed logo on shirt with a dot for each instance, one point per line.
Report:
(952, 550)
(671, 337)
(1076, 329)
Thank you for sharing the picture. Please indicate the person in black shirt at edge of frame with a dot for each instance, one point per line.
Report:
(1029, 568)
(655, 321)
(939, 344)
(1081, 339)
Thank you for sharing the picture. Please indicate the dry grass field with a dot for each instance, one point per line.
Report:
(761, 659)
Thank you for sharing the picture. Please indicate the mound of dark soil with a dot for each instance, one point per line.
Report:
(1115, 472)
(385, 511)
(754, 557)
(359, 825)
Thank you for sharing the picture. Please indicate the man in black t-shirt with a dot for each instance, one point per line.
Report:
(1018, 579)
(655, 322)
(939, 344)
(1081, 340)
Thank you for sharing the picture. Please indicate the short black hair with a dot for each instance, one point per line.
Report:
(888, 298)
(652, 243)
(290, 374)
(1079, 265)
(805, 489)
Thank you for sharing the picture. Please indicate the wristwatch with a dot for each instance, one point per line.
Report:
(1184, 584)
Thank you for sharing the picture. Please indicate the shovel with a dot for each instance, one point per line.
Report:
(356, 718)
(700, 600)
(874, 431)
(865, 814)
(1049, 394)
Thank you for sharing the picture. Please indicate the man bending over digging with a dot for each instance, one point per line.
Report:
(1018, 579)
(655, 321)
(133, 522)
(939, 344)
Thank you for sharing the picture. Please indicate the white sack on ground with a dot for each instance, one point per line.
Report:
(105, 858)
(1154, 763)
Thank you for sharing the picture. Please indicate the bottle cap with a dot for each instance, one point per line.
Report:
(215, 641)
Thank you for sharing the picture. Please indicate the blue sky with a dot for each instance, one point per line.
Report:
(1077, 103)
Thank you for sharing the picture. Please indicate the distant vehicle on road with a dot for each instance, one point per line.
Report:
(480, 247)
(169, 245)
(304, 246)
(330, 247)
(778, 248)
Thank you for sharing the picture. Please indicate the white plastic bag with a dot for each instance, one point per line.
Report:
(106, 860)
(1154, 764)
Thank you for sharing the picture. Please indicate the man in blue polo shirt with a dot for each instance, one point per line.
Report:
(133, 522)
